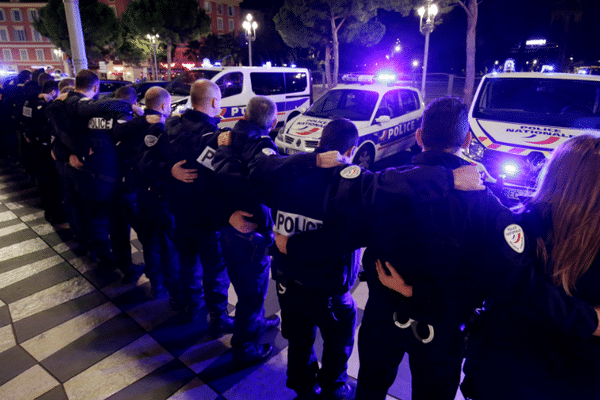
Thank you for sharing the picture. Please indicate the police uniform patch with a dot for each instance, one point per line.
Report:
(351, 172)
(515, 237)
(150, 140)
(267, 151)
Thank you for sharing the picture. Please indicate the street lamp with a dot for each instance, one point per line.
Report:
(59, 56)
(250, 27)
(427, 14)
(153, 39)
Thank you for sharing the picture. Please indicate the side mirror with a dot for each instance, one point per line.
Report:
(382, 119)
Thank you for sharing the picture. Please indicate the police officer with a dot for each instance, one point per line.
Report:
(198, 205)
(37, 135)
(89, 162)
(249, 234)
(315, 294)
(145, 195)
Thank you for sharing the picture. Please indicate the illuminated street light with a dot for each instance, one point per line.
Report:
(427, 14)
(153, 39)
(250, 27)
(59, 56)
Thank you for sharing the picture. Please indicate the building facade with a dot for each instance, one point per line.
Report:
(21, 46)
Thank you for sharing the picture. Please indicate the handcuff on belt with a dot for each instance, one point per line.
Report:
(413, 324)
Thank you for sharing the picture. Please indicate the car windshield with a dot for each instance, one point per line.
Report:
(353, 104)
(566, 103)
(182, 84)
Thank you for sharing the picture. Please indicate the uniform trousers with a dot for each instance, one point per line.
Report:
(248, 267)
(202, 271)
(156, 226)
(302, 311)
(434, 366)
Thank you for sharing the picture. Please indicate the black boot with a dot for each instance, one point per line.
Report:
(219, 325)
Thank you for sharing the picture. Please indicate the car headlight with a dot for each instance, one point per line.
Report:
(510, 168)
(475, 151)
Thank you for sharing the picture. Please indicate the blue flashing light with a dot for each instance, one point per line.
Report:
(386, 77)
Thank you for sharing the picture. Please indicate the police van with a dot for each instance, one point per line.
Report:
(387, 117)
(518, 118)
(289, 88)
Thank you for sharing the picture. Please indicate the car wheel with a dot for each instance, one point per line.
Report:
(364, 156)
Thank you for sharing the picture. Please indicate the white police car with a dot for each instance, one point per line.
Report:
(518, 118)
(386, 116)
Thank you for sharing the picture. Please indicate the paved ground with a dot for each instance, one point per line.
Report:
(68, 331)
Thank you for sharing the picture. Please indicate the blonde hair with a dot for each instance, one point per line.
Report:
(569, 197)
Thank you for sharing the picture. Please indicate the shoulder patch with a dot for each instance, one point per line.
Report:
(351, 172)
(267, 151)
(515, 237)
(150, 140)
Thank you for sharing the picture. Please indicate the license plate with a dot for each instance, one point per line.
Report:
(516, 194)
(292, 151)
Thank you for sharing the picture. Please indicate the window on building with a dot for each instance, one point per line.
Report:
(33, 15)
(231, 25)
(2, 16)
(39, 53)
(220, 24)
(36, 35)
(3, 34)
(231, 11)
(24, 54)
(208, 7)
(7, 54)
(219, 9)
(20, 34)
(54, 56)
(16, 15)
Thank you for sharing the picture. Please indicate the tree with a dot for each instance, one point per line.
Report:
(321, 23)
(100, 26)
(174, 21)
(564, 11)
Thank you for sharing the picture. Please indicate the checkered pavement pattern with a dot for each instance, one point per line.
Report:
(69, 331)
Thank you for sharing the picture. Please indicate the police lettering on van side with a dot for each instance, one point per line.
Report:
(398, 130)
(288, 224)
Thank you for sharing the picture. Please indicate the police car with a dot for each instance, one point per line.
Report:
(387, 117)
(518, 118)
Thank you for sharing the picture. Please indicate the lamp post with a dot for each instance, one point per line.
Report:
(427, 14)
(250, 27)
(153, 39)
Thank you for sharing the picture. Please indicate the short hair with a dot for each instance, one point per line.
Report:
(86, 80)
(126, 93)
(339, 134)
(261, 111)
(66, 83)
(202, 91)
(445, 124)
(36, 74)
(155, 96)
(43, 78)
(49, 86)
(23, 77)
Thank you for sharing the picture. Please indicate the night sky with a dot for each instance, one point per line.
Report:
(502, 25)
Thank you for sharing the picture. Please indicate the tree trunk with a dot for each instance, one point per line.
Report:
(336, 53)
(328, 66)
(169, 47)
(471, 44)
